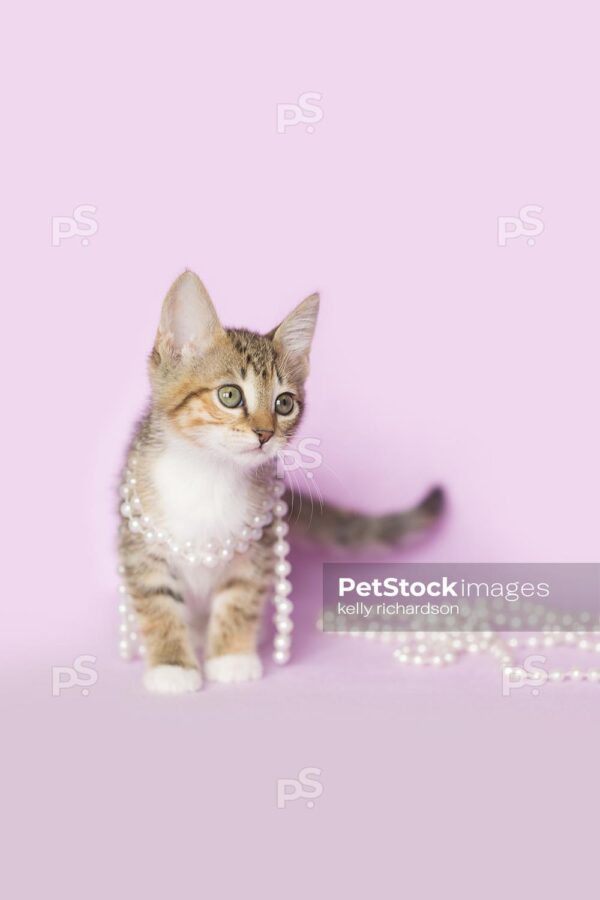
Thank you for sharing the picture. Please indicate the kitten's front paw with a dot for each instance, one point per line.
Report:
(233, 667)
(172, 680)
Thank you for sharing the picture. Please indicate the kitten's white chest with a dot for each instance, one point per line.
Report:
(199, 499)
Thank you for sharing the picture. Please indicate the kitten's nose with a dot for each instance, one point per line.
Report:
(264, 434)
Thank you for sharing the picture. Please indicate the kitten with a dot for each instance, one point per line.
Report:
(224, 403)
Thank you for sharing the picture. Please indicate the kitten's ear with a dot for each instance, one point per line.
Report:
(188, 322)
(294, 336)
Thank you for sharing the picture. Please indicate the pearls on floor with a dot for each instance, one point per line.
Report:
(438, 649)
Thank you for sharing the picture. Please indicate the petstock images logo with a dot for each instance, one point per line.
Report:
(457, 597)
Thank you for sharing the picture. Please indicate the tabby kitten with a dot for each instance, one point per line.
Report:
(224, 403)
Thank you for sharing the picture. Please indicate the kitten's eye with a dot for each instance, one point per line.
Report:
(284, 404)
(230, 396)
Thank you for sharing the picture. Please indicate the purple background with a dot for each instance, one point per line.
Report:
(439, 357)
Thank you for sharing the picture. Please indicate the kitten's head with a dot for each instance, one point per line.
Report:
(231, 391)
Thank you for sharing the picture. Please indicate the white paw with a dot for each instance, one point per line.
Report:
(233, 667)
(172, 680)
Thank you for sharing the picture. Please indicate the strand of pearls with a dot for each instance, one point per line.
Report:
(438, 649)
(282, 642)
(131, 644)
(210, 555)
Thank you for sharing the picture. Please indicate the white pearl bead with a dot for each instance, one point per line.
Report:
(283, 587)
(283, 624)
(280, 508)
(229, 542)
(149, 537)
(210, 560)
(135, 525)
(281, 657)
(123, 627)
(126, 509)
(281, 548)
(161, 536)
(282, 568)
(575, 675)
(122, 607)
(593, 675)
(256, 534)
(125, 491)
(278, 489)
(556, 676)
(136, 503)
(284, 607)
(282, 641)
(281, 529)
(226, 554)
(241, 546)
(245, 533)
(191, 558)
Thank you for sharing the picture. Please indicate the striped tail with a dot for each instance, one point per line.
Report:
(335, 527)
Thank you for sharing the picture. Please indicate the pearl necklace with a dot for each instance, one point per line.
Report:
(438, 649)
(210, 555)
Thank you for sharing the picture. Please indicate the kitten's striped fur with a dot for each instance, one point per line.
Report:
(199, 464)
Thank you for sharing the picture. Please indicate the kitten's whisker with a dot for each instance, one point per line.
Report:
(320, 496)
(288, 480)
(333, 472)
(300, 497)
(312, 505)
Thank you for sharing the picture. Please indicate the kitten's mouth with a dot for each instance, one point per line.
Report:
(261, 450)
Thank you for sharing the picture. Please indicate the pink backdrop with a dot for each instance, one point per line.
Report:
(440, 356)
